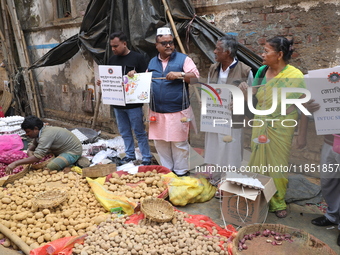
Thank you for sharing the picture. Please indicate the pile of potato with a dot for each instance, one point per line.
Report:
(37, 227)
(136, 187)
(115, 236)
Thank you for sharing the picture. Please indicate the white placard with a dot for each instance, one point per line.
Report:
(218, 116)
(137, 88)
(324, 85)
(111, 84)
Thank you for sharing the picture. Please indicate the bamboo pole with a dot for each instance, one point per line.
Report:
(11, 66)
(96, 110)
(15, 239)
(174, 29)
(172, 23)
(24, 61)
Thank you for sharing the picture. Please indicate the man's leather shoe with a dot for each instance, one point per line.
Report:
(322, 221)
(338, 242)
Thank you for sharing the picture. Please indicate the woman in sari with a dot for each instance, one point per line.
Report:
(277, 73)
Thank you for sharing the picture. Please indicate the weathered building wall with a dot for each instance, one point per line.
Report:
(312, 24)
(60, 86)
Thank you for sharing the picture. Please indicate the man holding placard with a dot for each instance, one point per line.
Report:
(130, 116)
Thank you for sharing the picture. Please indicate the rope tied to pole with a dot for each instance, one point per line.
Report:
(188, 27)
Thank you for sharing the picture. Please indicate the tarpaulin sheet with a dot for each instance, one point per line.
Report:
(139, 20)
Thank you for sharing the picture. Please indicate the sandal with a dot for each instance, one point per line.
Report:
(281, 213)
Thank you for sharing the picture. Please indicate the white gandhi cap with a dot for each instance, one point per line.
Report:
(163, 31)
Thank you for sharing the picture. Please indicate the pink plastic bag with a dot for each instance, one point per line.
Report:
(10, 143)
(62, 246)
(7, 157)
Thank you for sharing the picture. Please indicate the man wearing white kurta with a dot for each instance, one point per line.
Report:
(171, 73)
(227, 70)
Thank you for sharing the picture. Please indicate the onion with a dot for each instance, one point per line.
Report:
(244, 246)
(277, 238)
(43, 159)
(16, 170)
(265, 233)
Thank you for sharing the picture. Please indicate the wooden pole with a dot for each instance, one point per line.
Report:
(11, 66)
(15, 239)
(96, 110)
(173, 26)
(23, 57)
(172, 23)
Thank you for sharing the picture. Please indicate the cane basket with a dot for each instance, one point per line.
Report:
(41, 165)
(50, 198)
(301, 242)
(157, 209)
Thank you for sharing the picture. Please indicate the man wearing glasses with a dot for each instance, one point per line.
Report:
(169, 104)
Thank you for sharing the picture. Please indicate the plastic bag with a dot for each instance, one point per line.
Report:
(185, 190)
(10, 143)
(7, 157)
(207, 193)
(62, 246)
(182, 189)
(107, 199)
(103, 155)
(116, 143)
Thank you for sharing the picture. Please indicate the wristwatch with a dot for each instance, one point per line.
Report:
(183, 74)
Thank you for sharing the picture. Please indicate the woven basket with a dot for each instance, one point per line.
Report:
(42, 164)
(17, 176)
(303, 242)
(157, 209)
(50, 198)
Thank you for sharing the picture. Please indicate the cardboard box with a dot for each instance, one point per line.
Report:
(99, 170)
(243, 205)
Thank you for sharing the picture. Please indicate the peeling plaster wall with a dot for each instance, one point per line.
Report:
(60, 86)
(312, 24)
